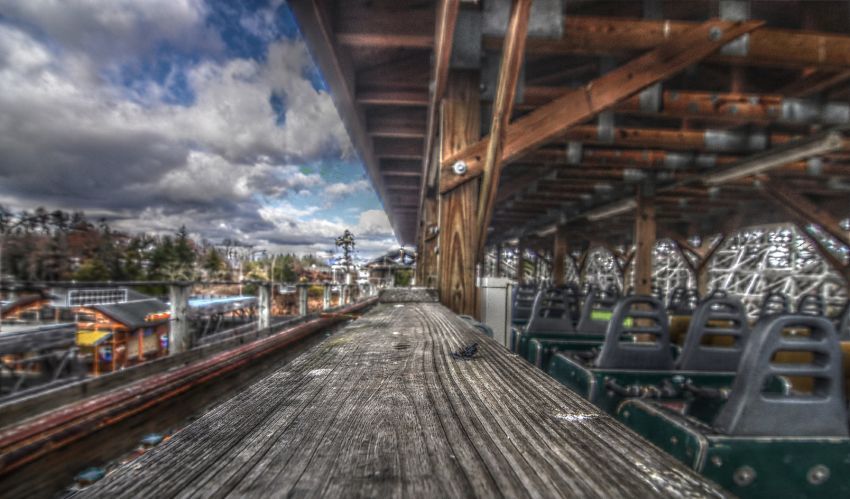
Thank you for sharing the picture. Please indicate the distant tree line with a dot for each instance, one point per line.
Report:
(59, 246)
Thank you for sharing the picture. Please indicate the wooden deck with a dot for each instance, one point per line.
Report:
(383, 409)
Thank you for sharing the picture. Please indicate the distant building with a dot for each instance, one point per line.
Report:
(112, 336)
(384, 269)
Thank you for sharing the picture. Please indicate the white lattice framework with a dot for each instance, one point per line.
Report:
(601, 269)
(749, 264)
(758, 261)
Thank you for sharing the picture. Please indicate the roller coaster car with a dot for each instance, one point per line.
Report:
(588, 334)
(764, 442)
(637, 359)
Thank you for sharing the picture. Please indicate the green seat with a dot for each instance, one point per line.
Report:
(765, 441)
(627, 365)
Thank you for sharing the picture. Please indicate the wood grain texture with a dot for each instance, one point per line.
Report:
(513, 55)
(644, 243)
(551, 121)
(461, 126)
(384, 410)
(559, 257)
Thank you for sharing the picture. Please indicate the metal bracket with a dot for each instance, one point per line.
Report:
(736, 10)
(466, 47)
(574, 153)
(546, 19)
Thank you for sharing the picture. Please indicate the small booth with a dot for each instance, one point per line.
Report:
(114, 336)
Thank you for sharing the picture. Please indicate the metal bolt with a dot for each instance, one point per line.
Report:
(818, 474)
(460, 167)
(714, 33)
(744, 476)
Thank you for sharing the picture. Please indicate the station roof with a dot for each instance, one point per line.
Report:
(136, 314)
(766, 106)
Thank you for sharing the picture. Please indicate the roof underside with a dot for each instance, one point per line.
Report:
(377, 56)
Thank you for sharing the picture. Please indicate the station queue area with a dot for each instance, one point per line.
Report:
(631, 222)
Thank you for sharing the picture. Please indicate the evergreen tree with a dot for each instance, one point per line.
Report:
(213, 263)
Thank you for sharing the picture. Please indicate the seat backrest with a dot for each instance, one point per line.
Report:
(551, 314)
(774, 303)
(595, 304)
(683, 301)
(723, 319)
(572, 293)
(637, 318)
(811, 305)
(844, 323)
(523, 302)
(716, 293)
(658, 293)
(753, 409)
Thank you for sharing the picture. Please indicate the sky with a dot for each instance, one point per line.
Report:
(159, 113)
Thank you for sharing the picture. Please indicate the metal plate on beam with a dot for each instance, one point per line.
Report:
(546, 21)
(736, 10)
(466, 47)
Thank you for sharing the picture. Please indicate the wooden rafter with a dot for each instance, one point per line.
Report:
(512, 57)
(804, 210)
(552, 120)
(833, 261)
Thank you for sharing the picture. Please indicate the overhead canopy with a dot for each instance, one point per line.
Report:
(688, 110)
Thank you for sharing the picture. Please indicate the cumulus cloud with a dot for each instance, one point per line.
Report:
(83, 126)
(341, 189)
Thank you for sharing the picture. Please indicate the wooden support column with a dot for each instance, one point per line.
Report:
(512, 57)
(707, 252)
(644, 240)
(461, 126)
(426, 264)
(559, 257)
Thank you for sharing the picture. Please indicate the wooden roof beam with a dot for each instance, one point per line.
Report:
(392, 97)
(588, 35)
(768, 47)
(554, 119)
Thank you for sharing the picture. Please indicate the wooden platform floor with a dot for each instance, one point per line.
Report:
(383, 409)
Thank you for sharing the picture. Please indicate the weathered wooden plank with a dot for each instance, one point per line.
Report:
(550, 121)
(384, 410)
